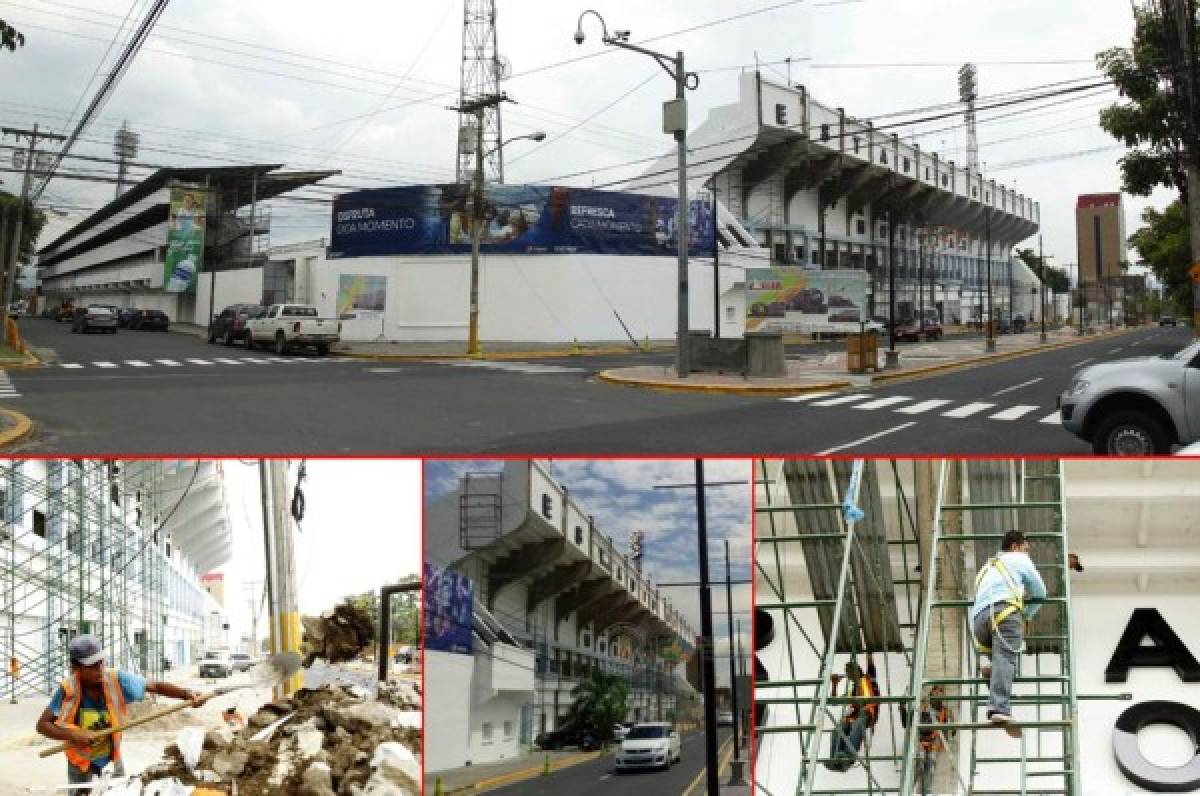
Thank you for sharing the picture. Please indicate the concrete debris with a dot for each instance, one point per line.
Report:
(337, 636)
(338, 742)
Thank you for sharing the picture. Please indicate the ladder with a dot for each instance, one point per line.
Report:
(848, 554)
(1043, 702)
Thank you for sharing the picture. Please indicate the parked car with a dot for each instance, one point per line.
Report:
(94, 318)
(288, 326)
(1167, 320)
(230, 325)
(1136, 407)
(241, 662)
(567, 735)
(913, 333)
(216, 663)
(649, 745)
(149, 319)
(124, 315)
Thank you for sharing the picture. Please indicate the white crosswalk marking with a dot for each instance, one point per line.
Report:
(7, 390)
(105, 364)
(170, 363)
(137, 363)
(968, 410)
(1018, 411)
(880, 403)
(842, 399)
(923, 406)
(1052, 419)
(811, 396)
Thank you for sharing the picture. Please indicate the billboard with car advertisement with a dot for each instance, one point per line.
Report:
(795, 300)
(516, 219)
(186, 220)
(448, 610)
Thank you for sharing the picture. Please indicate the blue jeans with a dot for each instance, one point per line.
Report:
(1006, 646)
(846, 741)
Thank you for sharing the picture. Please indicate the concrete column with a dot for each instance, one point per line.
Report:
(944, 657)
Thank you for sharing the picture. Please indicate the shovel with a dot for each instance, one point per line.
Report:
(274, 670)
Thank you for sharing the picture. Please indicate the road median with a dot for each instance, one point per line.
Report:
(511, 777)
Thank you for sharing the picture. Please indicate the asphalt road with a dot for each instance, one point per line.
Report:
(599, 777)
(172, 394)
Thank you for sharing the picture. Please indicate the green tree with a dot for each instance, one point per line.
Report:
(1165, 245)
(30, 230)
(10, 37)
(599, 703)
(1154, 121)
(1056, 279)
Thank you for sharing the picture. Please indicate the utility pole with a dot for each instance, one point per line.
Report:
(1042, 284)
(33, 137)
(893, 357)
(991, 310)
(716, 270)
(280, 567)
(712, 775)
(735, 771)
(477, 107)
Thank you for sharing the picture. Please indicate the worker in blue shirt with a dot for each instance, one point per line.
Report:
(998, 617)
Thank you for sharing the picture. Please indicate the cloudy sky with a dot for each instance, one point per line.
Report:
(621, 495)
(361, 530)
(363, 85)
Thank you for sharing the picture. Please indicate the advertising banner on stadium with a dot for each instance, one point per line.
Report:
(185, 239)
(361, 296)
(448, 610)
(796, 300)
(517, 219)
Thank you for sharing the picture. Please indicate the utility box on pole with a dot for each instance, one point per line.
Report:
(675, 116)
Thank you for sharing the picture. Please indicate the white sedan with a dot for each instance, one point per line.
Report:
(649, 745)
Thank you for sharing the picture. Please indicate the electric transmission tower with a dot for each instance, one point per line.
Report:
(482, 70)
(968, 91)
(125, 148)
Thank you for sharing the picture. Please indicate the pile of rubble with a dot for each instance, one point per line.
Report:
(337, 740)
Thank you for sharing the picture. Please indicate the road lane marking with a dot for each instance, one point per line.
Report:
(137, 363)
(71, 365)
(255, 360)
(924, 406)
(226, 361)
(880, 403)
(1014, 413)
(280, 359)
(170, 363)
(1054, 419)
(198, 361)
(105, 364)
(967, 410)
(875, 436)
(812, 396)
(1017, 386)
(1114, 350)
(842, 399)
(1082, 362)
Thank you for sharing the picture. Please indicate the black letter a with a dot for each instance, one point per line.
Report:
(1167, 649)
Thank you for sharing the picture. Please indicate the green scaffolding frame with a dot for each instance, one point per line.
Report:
(81, 553)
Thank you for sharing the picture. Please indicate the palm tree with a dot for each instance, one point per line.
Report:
(599, 703)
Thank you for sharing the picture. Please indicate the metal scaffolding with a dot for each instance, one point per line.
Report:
(898, 578)
(82, 553)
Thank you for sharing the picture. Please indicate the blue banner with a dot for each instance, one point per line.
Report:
(448, 610)
(516, 219)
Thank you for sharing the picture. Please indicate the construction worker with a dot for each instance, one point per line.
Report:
(932, 711)
(92, 699)
(859, 717)
(998, 617)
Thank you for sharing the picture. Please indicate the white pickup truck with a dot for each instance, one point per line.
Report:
(288, 326)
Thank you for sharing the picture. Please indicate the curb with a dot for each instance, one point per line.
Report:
(30, 361)
(610, 377)
(22, 428)
(504, 355)
(986, 359)
(522, 775)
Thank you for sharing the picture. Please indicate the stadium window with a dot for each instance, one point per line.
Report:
(861, 227)
(578, 535)
(945, 180)
(508, 729)
(547, 506)
(906, 165)
(781, 114)
(857, 144)
(927, 173)
(824, 132)
(883, 156)
(486, 732)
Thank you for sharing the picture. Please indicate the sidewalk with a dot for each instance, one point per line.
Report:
(484, 777)
(827, 371)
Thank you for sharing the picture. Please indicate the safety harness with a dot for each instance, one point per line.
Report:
(72, 703)
(1014, 604)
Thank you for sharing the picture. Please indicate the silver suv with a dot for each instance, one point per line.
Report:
(1136, 407)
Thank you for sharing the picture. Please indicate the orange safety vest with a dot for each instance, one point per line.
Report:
(931, 740)
(68, 715)
(866, 688)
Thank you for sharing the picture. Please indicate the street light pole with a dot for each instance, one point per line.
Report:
(735, 775)
(1042, 280)
(674, 122)
(893, 358)
(712, 775)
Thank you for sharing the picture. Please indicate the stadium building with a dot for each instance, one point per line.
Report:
(112, 548)
(1108, 688)
(525, 597)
